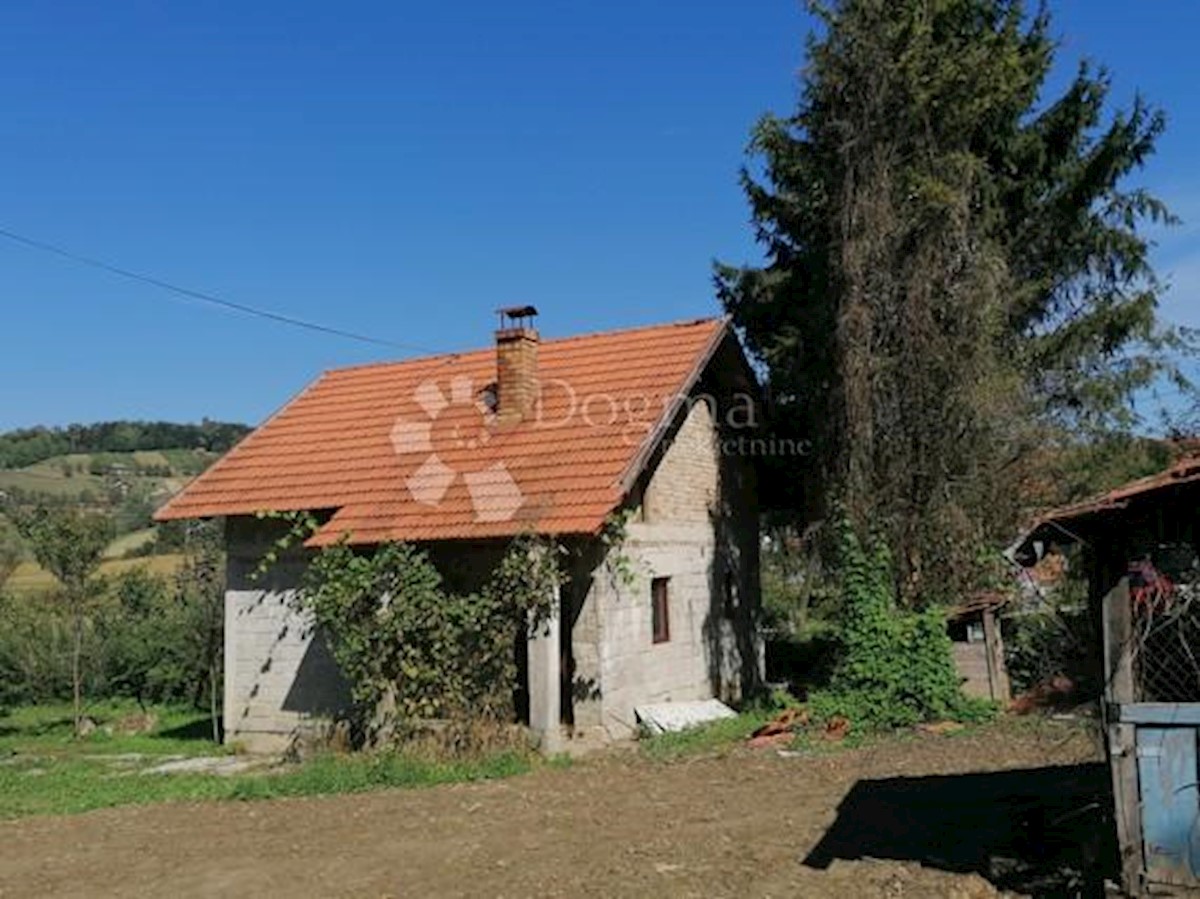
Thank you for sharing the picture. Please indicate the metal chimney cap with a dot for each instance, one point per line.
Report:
(514, 315)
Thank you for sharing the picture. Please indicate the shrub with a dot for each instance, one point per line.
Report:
(148, 642)
(1059, 639)
(144, 637)
(35, 651)
(895, 668)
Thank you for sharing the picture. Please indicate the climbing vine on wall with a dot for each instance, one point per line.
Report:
(300, 526)
(895, 668)
(620, 566)
(413, 650)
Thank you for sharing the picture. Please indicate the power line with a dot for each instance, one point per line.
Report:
(205, 297)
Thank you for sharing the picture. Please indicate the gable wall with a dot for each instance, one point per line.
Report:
(696, 525)
(684, 486)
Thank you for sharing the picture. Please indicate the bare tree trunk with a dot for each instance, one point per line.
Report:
(76, 673)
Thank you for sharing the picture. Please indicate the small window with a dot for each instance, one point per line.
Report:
(660, 606)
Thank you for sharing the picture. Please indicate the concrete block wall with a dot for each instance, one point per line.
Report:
(675, 534)
(280, 679)
(684, 486)
(633, 668)
(581, 612)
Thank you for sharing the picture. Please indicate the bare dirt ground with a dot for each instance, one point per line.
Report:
(927, 816)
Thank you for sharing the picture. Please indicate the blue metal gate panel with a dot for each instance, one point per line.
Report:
(1168, 778)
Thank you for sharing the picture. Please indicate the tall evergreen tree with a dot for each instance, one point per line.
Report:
(950, 258)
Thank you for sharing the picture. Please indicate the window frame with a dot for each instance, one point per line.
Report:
(660, 610)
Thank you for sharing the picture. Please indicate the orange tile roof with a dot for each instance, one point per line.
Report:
(405, 451)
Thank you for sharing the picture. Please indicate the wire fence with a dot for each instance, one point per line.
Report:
(1167, 643)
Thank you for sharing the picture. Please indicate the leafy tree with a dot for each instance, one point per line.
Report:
(11, 551)
(796, 583)
(953, 267)
(200, 590)
(163, 637)
(141, 639)
(35, 643)
(70, 545)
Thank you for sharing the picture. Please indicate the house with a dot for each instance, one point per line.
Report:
(1139, 545)
(460, 453)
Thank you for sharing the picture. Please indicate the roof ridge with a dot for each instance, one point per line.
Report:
(345, 442)
(612, 332)
(587, 335)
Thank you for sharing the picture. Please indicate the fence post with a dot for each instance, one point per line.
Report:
(993, 644)
(1117, 618)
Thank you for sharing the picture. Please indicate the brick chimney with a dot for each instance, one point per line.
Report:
(516, 364)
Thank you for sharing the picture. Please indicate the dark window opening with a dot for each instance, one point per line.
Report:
(660, 606)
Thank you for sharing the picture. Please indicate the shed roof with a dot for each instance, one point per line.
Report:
(1062, 523)
(983, 601)
(409, 451)
(1182, 471)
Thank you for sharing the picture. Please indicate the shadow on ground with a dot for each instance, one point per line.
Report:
(1044, 831)
(201, 730)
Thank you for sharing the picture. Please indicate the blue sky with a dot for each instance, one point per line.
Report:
(402, 169)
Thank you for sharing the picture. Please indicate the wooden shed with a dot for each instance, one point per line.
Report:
(979, 646)
(1140, 545)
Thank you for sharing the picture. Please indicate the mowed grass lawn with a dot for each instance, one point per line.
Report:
(44, 769)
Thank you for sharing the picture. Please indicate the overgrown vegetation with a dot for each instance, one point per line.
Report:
(1055, 640)
(895, 667)
(137, 635)
(414, 650)
(798, 588)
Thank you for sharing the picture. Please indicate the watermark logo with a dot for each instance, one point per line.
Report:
(455, 424)
(449, 438)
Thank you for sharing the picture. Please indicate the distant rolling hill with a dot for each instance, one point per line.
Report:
(30, 579)
(98, 479)
(121, 469)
